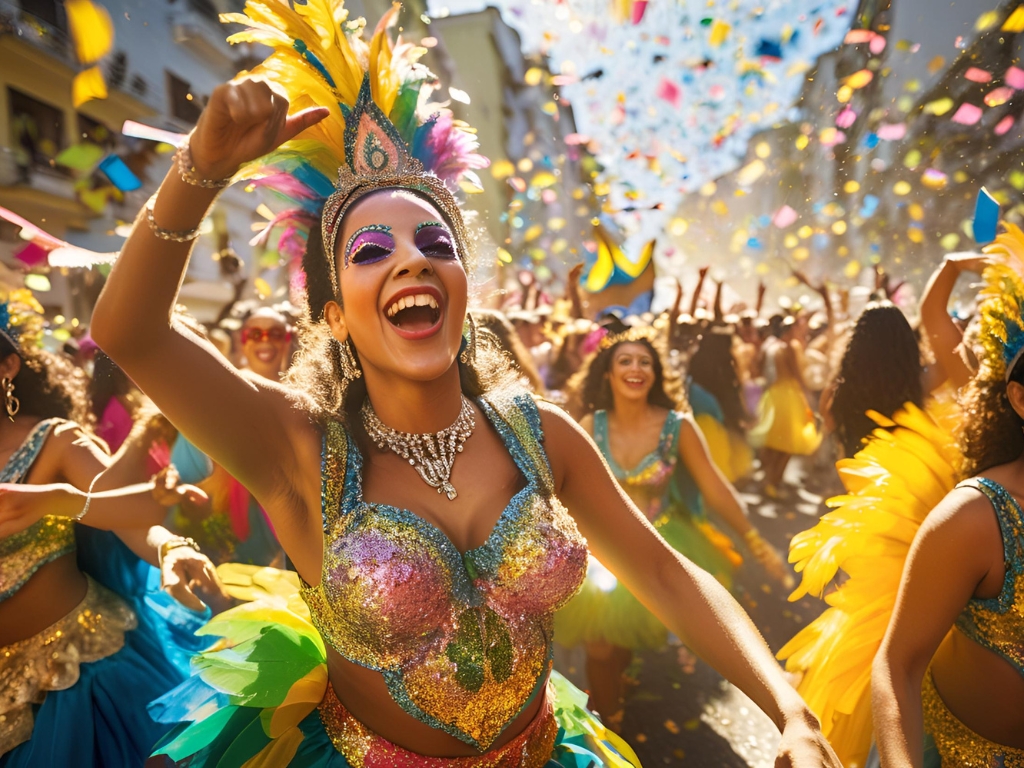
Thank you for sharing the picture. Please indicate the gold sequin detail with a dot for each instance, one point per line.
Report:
(363, 748)
(958, 745)
(50, 660)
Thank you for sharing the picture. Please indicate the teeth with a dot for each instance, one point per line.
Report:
(418, 300)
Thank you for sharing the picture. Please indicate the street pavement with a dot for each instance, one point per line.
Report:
(679, 711)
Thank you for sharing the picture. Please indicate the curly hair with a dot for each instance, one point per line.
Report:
(713, 367)
(316, 375)
(880, 371)
(508, 340)
(49, 385)
(989, 432)
(590, 391)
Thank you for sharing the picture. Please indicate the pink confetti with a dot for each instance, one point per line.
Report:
(639, 8)
(669, 90)
(998, 96)
(877, 45)
(31, 255)
(968, 114)
(784, 217)
(1014, 78)
(716, 92)
(857, 36)
(846, 118)
(1004, 125)
(976, 75)
(891, 131)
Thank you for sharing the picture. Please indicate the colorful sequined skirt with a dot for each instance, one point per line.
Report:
(604, 611)
(76, 693)
(261, 698)
(951, 744)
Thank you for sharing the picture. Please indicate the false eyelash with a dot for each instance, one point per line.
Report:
(369, 248)
(425, 224)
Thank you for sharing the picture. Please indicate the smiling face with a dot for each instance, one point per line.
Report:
(631, 373)
(266, 339)
(403, 287)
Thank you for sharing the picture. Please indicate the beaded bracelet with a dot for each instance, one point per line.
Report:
(176, 543)
(171, 235)
(189, 174)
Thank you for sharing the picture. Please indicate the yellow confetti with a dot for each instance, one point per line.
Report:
(912, 159)
(603, 188)
(88, 85)
(939, 106)
(40, 283)
(916, 211)
(708, 189)
(719, 32)
(901, 188)
(91, 29)
(671, 727)
(804, 232)
(504, 256)
(543, 180)
(852, 269)
(844, 94)
(556, 224)
(750, 173)
(525, 165)
(263, 289)
(839, 227)
(559, 245)
(535, 231)
(763, 150)
(936, 64)
(502, 169)
(851, 186)
(791, 241)
(801, 254)
(843, 251)
(533, 76)
(950, 242)
(915, 235)
(1015, 21)
(678, 227)
(720, 208)
(859, 79)
(802, 142)
(987, 20)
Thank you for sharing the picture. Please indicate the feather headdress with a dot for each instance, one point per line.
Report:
(1002, 305)
(21, 318)
(381, 132)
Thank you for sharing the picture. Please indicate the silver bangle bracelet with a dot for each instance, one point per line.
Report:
(188, 171)
(173, 236)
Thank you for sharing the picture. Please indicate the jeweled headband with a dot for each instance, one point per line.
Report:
(377, 159)
(636, 333)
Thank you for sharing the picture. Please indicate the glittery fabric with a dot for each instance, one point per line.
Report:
(655, 469)
(363, 748)
(463, 640)
(958, 745)
(998, 623)
(50, 660)
(25, 552)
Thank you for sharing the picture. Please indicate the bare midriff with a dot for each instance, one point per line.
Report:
(52, 593)
(982, 690)
(364, 693)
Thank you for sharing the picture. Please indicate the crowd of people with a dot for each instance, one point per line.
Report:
(350, 534)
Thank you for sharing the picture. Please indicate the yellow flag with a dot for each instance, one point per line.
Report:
(91, 29)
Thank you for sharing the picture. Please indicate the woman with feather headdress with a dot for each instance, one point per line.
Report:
(422, 495)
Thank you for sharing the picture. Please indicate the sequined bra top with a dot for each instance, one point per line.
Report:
(462, 639)
(24, 553)
(998, 623)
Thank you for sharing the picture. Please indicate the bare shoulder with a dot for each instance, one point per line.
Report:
(964, 519)
(565, 442)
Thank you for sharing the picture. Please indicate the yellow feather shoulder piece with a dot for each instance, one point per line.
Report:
(907, 466)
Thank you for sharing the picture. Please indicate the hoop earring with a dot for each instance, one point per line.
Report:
(349, 366)
(467, 352)
(11, 403)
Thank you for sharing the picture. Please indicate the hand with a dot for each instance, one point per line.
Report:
(245, 119)
(804, 746)
(169, 491)
(703, 272)
(968, 262)
(23, 505)
(184, 572)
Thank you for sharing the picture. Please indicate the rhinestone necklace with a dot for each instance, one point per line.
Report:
(432, 454)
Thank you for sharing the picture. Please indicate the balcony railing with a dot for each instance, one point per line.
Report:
(35, 30)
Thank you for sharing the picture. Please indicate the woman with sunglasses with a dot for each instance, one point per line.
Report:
(266, 343)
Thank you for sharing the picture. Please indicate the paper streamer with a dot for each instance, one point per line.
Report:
(986, 217)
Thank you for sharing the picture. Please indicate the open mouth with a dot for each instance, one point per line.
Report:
(635, 382)
(414, 313)
(266, 355)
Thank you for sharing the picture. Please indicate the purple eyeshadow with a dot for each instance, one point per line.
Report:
(434, 239)
(369, 245)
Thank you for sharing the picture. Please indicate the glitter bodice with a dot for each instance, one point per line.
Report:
(24, 553)
(998, 623)
(463, 639)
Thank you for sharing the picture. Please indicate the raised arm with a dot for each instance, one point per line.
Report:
(244, 425)
(951, 555)
(943, 335)
(687, 599)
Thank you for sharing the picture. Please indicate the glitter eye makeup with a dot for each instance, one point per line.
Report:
(434, 239)
(369, 245)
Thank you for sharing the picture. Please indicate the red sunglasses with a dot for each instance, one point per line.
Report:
(265, 334)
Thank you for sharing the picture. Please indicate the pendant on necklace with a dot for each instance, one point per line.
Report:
(449, 491)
